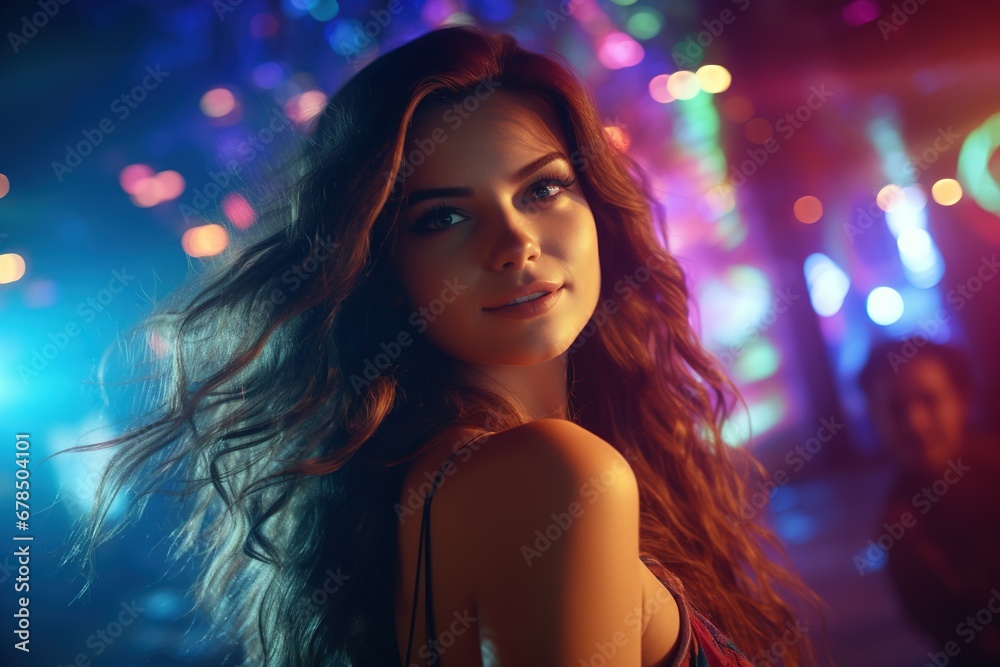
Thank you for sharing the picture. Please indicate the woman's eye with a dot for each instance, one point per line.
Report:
(553, 186)
(427, 221)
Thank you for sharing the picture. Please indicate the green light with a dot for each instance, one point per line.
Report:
(324, 10)
(645, 23)
(973, 164)
(624, 3)
(758, 362)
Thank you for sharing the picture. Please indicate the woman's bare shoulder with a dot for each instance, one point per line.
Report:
(545, 516)
(512, 479)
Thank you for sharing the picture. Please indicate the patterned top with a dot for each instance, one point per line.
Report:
(700, 643)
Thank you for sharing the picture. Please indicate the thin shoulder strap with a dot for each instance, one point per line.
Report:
(425, 547)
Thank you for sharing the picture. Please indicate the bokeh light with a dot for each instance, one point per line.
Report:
(808, 209)
(658, 89)
(238, 210)
(758, 130)
(4, 185)
(217, 102)
(884, 306)
(618, 50)
(714, 78)
(205, 240)
(683, 85)
(946, 191)
(12, 267)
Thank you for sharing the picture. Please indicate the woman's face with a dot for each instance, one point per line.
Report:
(477, 225)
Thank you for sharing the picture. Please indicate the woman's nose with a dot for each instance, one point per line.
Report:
(516, 239)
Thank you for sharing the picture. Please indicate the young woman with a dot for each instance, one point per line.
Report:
(463, 300)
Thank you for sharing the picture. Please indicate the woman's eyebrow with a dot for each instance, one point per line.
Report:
(519, 175)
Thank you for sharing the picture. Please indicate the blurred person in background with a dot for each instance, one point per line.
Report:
(943, 509)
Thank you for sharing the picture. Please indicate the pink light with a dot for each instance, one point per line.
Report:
(658, 89)
(171, 184)
(148, 192)
(238, 210)
(132, 174)
(860, 12)
(618, 50)
(302, 109)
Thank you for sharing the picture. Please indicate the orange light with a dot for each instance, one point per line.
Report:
(946, 192)
(618, 137)
(758, 130)
(205, 240)
(4, 185)
(11, 268)
(808, 209)
(714, 78)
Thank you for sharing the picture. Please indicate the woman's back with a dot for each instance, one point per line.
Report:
(534, 524)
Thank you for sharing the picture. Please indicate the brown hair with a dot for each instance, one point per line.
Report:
(286, 436)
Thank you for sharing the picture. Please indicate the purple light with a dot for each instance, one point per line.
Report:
(860, 12)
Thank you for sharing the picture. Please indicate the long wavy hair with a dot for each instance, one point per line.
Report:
(284, 416)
